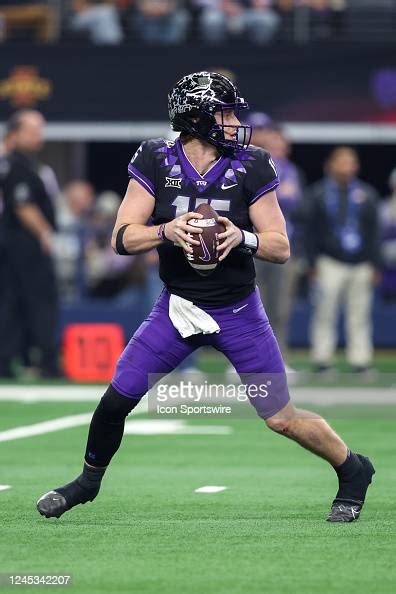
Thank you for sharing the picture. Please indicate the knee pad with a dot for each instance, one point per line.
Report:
(115, 407)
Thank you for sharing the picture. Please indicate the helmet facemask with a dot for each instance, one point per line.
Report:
(214, 132)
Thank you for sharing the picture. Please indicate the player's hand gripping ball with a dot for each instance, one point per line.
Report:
(204, 257)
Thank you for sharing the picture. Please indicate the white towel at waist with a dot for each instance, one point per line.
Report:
(189, 319)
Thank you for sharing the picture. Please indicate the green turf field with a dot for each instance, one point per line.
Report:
(148, 531)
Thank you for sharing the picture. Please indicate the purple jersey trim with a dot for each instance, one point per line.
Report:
(264, 190)
(209, 177)
(143, 181)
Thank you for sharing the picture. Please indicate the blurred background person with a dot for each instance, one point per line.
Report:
(74, 214)
(98, 20)
(154, 284)
(110, 276)
(388, 241)
(161, 21)
(219, 19)
(6, 330)
(37, 16)
(313, 19)
(29, 225)
(279, 284)
(342, 239)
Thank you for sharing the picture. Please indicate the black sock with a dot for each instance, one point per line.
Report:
(349, 467)
(84, 488)
(107, 427)
(351, 478)
(91, 477)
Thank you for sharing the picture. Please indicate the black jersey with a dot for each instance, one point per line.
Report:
(230, 186)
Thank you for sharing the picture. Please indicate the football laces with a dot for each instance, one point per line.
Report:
(188, 255)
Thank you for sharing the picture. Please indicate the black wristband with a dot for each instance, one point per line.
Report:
(120, 248)
(163, 233)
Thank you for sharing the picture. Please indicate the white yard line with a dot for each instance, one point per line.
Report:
(146, 427)
(173, 427)
(5, 487)
(45, 427)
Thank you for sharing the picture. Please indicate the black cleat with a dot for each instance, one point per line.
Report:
(348, 510)
(344, 511)
(55, 503)
(52, 505)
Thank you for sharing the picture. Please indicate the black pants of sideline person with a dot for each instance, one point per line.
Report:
(7, 331)
(35, 310)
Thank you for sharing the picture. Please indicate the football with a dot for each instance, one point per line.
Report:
(204, 258)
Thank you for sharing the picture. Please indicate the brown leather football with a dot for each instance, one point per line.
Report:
(204, 258)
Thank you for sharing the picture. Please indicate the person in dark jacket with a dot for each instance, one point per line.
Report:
(6, 348)
(279, 284)
(343, 250)
(29, 225)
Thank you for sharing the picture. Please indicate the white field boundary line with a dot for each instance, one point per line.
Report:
(14, 393)
(45, 427)
(324, 396)
(310, 395)
(33, 394)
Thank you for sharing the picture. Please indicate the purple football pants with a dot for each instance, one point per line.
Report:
(245, 338)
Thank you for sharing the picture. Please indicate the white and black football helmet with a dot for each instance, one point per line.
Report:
(193, 102)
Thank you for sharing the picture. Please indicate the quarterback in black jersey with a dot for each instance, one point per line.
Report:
(231, 185)
(210, 162)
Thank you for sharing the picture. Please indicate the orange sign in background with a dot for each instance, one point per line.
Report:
(90, 351)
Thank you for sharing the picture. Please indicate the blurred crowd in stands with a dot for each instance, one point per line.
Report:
(112, 22)
(55, 247)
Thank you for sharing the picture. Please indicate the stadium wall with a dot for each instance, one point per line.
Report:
(330, 83)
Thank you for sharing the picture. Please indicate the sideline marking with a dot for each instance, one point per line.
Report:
(320, 395)
(210, 489)
(5, 487)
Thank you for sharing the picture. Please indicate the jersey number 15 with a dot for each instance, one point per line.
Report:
(185, 204)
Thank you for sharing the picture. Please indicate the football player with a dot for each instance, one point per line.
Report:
(210, 162)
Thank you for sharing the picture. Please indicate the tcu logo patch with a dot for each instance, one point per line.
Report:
(172, 182)
(201, 182)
